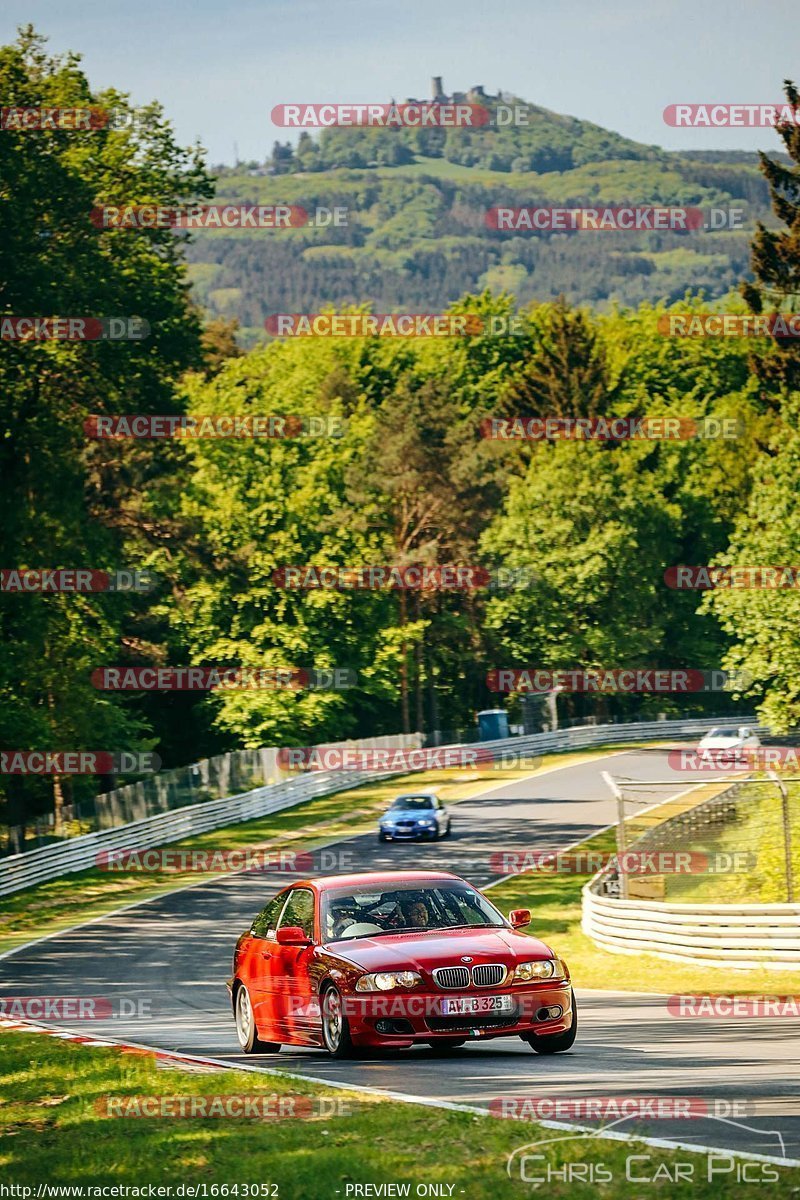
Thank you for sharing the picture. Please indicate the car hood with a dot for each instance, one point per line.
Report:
(397, 814)
(720, 743)
(440, 948)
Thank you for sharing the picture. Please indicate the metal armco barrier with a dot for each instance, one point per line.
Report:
(747, 936)
(80, 853)
(714, 935)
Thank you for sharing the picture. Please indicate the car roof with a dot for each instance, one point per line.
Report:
(432, 792)
(325, 882)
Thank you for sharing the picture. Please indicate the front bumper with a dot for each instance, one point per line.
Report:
(400, 1019)
(409, 835)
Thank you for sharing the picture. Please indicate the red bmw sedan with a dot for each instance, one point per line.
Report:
(395, 958)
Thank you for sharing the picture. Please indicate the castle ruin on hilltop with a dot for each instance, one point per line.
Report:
(475, 95)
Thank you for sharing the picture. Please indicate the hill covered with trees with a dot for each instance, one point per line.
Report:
(417, 234)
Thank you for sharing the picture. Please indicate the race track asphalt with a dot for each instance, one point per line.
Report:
(169, 958)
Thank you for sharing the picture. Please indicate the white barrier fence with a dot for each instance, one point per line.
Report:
(80, 853)
(715, 935)
(745, 936)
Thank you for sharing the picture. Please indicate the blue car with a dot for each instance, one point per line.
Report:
(413, 816)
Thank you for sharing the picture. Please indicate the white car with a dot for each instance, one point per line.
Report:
(722, 743)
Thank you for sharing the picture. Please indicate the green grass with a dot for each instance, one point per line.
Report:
(554, 899)
(758, 830)
(555, 902)
(52, 1096)
(50, 907)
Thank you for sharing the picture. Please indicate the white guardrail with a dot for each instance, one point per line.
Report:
(25, 870)
(743, 936)
(714, 935)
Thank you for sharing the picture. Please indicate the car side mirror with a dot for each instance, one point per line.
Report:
(293, 935)
(519, 917)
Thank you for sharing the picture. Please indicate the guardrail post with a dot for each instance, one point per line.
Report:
(623, 878)
(787, 835)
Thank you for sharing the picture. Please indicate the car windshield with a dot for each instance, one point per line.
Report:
(412, 803)
(720, 733)
(349, 913)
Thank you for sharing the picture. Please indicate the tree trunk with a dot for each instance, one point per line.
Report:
(404, 709)
(58, 805)
(419, 656)
(58, 794)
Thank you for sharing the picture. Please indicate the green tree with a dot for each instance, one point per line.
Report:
(597, 536)
(66, 500)
(775, 256)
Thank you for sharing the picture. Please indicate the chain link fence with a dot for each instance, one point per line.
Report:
(229, 774)
(721, 842)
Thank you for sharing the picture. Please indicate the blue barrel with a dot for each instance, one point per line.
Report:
(493, 724)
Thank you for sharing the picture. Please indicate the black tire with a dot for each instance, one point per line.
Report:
(335, 1032)
(555, 1043)
(443, 1046)
(447, 830)
(246, 1030)
(382, 837)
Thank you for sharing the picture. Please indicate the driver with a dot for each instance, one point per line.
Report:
(415, 913)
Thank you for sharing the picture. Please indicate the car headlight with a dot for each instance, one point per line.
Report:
(384, 981)
(425, 821)
(547, 968)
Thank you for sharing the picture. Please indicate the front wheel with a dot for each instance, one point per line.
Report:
(246, 1030)
(335, 1026)
(555, 1043)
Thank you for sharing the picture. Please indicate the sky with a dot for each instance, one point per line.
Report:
(220, 68)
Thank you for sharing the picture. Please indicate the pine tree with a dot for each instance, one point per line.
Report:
(776, 257)
(565, 373)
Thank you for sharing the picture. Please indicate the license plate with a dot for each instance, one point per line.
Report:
(465, 1005)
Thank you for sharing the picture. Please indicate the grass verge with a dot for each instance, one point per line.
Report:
(53, 1094)
(50, 907)
(555, 902)
(756, 830)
